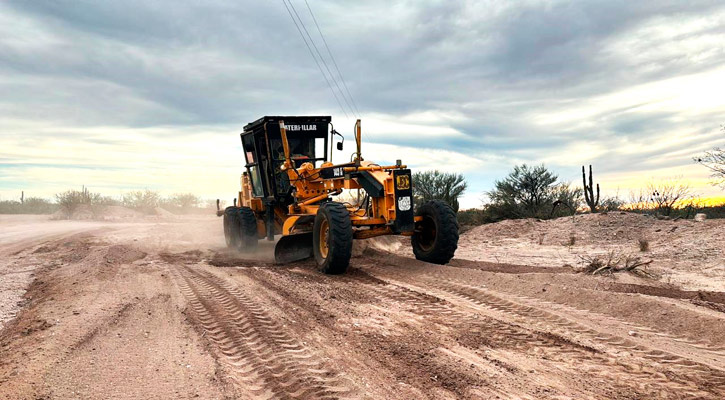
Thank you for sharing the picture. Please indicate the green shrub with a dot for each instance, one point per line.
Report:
(436, 185)
(31, 205)
(144, 201)
(532, 192)
(181, 203)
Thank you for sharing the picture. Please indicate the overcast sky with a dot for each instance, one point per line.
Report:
(152, 94)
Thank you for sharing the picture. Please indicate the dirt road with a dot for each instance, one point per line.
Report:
(162, 310)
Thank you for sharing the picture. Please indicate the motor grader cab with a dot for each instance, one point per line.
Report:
(290, 187)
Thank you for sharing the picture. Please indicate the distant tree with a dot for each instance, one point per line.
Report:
(666, 195)
(431, 185)
(70, 200)
(662, 197)
(532, 192)
(29, 205)
(612, 203)
(714, 160)
(142, 200)
(182, 201)
(37, 205)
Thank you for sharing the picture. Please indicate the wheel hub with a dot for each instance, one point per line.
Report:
(324, 234)
(427, 234)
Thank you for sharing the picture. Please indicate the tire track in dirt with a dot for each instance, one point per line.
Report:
(706, 347)
(263, 358)
(695, 379)
(417, 356)
(694, 344)
(543, 343)
(605, 373)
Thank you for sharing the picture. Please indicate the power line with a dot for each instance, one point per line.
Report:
(332, 57)
(321, 58)
(315, 58)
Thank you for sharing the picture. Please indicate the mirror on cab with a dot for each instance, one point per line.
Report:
(339, 145)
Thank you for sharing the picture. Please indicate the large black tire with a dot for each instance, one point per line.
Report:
(231, 227)
(436, 237)
(248, 238)
(332, 238)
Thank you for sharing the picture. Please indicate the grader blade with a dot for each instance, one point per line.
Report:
(293, 248)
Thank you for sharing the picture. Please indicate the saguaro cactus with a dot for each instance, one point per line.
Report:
(589, 190)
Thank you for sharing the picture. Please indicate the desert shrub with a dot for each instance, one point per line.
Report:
(714, 160)
(70, 200)
(643, 244)
(612, 203)
(31, 205)
(612, 262)
(666, 194)
(532, 192)
(572, 240)
(473, 217)
(669, 198)
(145, 201)
(37, 205)
(432, 185)
(182, 203)
(714, 211)
(10, 207)
(106, 201)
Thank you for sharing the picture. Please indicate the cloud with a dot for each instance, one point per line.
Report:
(139, 92)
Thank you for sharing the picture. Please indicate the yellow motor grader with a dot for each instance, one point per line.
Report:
(290, 186)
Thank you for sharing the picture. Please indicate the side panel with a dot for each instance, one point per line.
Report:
(403, 184)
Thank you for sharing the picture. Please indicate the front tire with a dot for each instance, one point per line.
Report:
(332, 238)
(248, 238)
(436, 237)
(231, 227)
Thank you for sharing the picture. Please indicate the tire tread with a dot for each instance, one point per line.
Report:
(447, 235)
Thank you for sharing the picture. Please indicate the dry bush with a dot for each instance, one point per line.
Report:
(666, 194)
(31, 205)
(182, 203)
(643, 244)
(611, 262)
(572, 240)
(714, 160)
(70, 201)
(145, 201)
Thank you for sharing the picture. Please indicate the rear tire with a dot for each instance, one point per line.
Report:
(231, 227)
(436, 237)
(332, 238)
(247, 229)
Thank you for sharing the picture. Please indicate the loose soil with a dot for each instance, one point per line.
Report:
(160, 309)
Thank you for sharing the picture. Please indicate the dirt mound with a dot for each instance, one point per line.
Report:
(81, 212)
(117, 212)
(114, 255)
(104, 213)
(162, 212)
(683, 250)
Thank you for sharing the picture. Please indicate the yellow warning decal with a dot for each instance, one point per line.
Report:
(402, 182)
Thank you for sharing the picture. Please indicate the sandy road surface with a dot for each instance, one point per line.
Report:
(161, 310)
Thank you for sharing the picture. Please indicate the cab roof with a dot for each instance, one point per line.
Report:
(287, 120)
